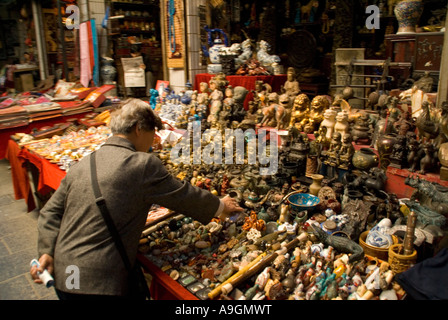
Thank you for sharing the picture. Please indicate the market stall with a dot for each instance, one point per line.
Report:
(329, 222)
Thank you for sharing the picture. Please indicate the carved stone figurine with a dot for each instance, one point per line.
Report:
(291, 86)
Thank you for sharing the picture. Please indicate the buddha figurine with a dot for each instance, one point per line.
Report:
(300, 113)
(332, 154)
(346, 152)
(318, 105)
(291, 86)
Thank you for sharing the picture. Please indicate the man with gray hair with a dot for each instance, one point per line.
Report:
(72, 231)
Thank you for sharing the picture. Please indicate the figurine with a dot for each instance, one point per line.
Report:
(346, 152)
(273, 113)
(227, 107)
(362, 129)
(398, 154)
(332, 154)
(216, 103)
(204, 91)
(299, 113)
(318, 105)
(291, 87)
(342, 125)
(427, 126)
(329, 122)
(429, 160)
(414, 152)
(263, 54)
(201, 107)
(246, 47)
(239, 95)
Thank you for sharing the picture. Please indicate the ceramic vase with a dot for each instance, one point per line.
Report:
(385, 146)
(443, 158)
(317, 183)
(108, 71)
(408, 14)
(364, 159)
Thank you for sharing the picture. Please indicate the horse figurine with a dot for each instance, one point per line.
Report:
(309, 10)
(274, 113)
(263, 55)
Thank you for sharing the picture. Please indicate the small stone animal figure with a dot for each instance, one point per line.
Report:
(263, 54)
(246, 47)
(428, 162)
(340, 243)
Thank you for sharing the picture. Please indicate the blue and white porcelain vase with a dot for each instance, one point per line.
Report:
(214, 51)
(108, 72)
(408, 14)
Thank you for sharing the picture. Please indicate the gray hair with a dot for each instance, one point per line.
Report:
(134, 112)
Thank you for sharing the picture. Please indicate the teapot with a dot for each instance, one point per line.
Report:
(215, 45)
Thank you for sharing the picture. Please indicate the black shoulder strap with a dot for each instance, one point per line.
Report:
(101, 203)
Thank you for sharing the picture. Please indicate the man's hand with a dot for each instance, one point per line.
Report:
(46, 262)
(230, 207)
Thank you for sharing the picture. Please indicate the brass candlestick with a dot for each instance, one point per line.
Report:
(409, 238)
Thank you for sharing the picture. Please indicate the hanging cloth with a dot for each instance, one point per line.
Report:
(85, 56)
(95, 70)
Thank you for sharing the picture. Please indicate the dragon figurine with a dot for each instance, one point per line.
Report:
(431, 195)
(341, 244)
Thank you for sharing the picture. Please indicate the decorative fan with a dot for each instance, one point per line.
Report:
(301, 49)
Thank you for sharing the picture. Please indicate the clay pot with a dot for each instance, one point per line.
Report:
(364, 159)
(408, 14)
(385, 146)
(317, 183)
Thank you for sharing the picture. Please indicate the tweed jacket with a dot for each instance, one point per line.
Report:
(72, 229)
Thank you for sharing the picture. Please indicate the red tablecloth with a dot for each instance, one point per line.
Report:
(5, 134)
(19, 175)
(395, 182)
(248, 82)
(162, 286)
(50, 175)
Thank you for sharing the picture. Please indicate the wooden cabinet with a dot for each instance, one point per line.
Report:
(428, 51)
(414, 53)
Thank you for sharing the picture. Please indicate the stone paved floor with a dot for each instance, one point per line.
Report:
(18, 245)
